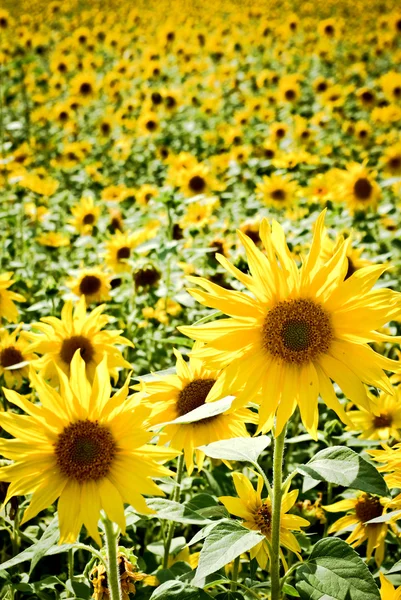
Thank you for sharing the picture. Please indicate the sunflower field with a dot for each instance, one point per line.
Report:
(200, 307)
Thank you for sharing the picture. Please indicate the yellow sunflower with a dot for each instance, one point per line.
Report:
(119, 248)
(93, 283)
(359, 188)
(78, 446)
(387, 590)
(52, 239)
(300, 329)
(172, 396)
(8, 310)
(391, 459)
(84, 86)
(14, 349)
(85, 214)
(354, 259)
(361, 509)
(59, 339)
(278, 191)
(196, 180)
(391, 160)
(257, 515)
(383, 421)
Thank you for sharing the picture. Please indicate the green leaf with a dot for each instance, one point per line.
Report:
(174, 511)
(244, 449)
(289, 590)
(206, 411)
(225, 542)
(334, 571)
(178, 590)
(343, 466)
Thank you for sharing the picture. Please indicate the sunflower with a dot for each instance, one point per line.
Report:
(84, 86)
(40, 184)
(302, 328)
(257, 515)
(52, 239)
(172, 396)
(196, 180)
(14, 349)
(59, 339)
(278, 191)
(359, 188)
(8, 310)
(391, 160)
(93, 283)
(391, 459)
(78, 446)
(86, 215)
(387, 590)
(354, 259)
(382, 421)
(199, 214)
(361, 509)
(391, 85)
(119, 249)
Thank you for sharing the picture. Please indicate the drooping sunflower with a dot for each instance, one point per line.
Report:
(278, 191)
(172, 396)
(383, 421)
(300, 329)
(361, 509)
(85, 214)
(78, 446)
(59, 339)
(8, 310)
(93, 283)
(257, 515)
(14, 349)
(359, 188)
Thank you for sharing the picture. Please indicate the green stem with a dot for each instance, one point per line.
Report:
(276, 514)
(176, 498)
(113, 576)
(234, 578)
(71, 568)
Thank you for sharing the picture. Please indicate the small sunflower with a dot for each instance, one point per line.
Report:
(382, 421)
(257, 515)
(8, 310)
(85, 214)
(173, 396)
(14, 349)
(52, 239)
(278, 191)
(391, 160)
(77, 447)
(359, 510)
(196, 180)
(355, 262)
(119, 249)
(92, 283)
(59, 339)
(359, 188)
(84, 86)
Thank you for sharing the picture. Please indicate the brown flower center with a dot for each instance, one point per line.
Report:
(90, 284)
(85, 89)
(197, 184)
(194, 395)
(263, 518)
(88, 219)
(395, 163)
(74, 343)
(383, 420)
(297, 331)
(362, 189)
(146, 277)
(85, 450)
(289, 94)
(10, 356)
(278, 195)
(123, 253)
(368, 508)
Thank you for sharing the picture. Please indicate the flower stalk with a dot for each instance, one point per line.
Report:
(276, 515)
(113, 576)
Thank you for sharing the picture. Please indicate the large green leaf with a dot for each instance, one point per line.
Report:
(174, 511)
(225, 542)
(178, 590)
(244, 449)
(343, 466)
(335, 571)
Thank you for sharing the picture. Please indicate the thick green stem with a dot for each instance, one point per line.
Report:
(113, 576)
(176, 498)
(235, 574)
(70, 568)
(276, 515)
